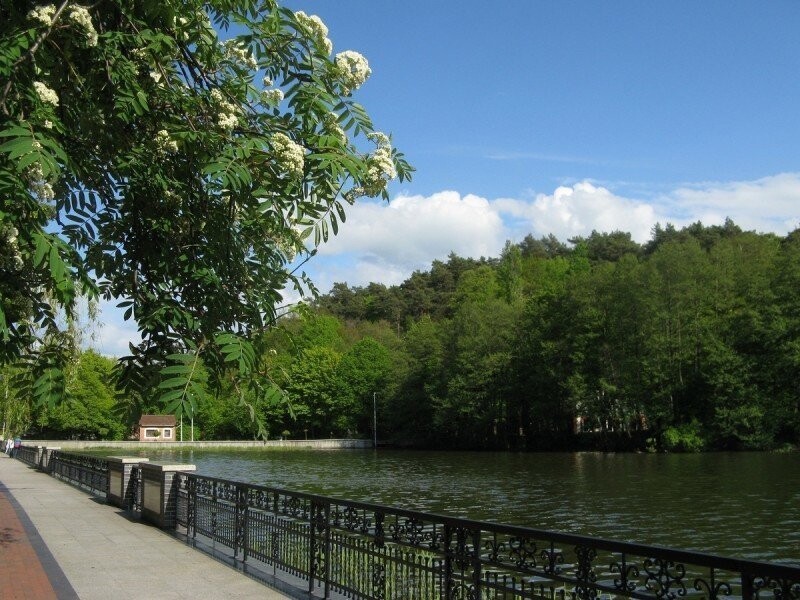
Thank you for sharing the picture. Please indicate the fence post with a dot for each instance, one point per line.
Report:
(240, 523)
(46, 464)
(160, 492)
(120, 489)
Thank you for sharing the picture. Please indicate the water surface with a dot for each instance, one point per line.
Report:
(738, 504)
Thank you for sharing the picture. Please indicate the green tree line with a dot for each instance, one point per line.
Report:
(690, 341)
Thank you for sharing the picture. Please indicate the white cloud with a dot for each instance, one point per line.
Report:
(767, 204)
(386, 242)
(413, 230)
(577, 210)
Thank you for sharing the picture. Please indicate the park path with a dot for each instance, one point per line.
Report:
(58, 542)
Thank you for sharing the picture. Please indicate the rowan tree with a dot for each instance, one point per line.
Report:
(178, 156)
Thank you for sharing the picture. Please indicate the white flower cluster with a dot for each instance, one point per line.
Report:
(381, 139)
(333, 128)
(289, 155)
(38, 184)
(227, 117)
(164, 143)
(45, 94)
(236, 52)
(13, 259)
(272, 97)
(380, 168)
(43, 14)
(80, 16)
(318, 29)
(353, 70)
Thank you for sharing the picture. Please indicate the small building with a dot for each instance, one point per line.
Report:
(157, 428)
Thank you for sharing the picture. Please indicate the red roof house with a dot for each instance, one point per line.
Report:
(157, 428)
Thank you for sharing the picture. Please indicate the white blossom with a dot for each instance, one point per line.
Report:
(333, 128)
(48, 124)
(81, 17)
(380, 169)
(45, 94)
(38, 184)
(227, 121)
(352, 69)
(289, 155)
(43, 14)
(236, 52)
(10, 260)
(165, 143)
(272, 97)
(381, 139)
(267, 82)
(156, 76)
(318, 30)
(227, 117)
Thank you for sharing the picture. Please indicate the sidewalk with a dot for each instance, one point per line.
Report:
(58, 542)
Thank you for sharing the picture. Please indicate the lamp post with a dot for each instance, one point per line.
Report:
(374, 422)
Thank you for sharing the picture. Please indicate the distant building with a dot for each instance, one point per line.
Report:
(157, 428)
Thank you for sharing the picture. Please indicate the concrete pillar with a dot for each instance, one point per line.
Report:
(120, 490)
(44, 459)
(160, 492)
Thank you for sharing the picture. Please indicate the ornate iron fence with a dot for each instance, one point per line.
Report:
(89, 472)
(361, 550)
(135, 492)
(27, 454)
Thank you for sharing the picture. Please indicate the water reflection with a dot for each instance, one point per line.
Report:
(745, 505)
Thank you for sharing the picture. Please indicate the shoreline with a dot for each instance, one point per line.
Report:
(337, 444)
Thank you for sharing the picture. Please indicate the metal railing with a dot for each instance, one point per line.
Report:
(135, 491)
(361, 550)
(28, 455)
(88, 472)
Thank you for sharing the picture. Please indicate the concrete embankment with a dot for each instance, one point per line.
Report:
(344, 444)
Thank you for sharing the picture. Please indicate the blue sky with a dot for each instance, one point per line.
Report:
(563, 117)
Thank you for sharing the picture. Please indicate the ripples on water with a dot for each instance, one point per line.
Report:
(743, 505)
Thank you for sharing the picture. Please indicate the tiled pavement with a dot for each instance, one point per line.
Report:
(56, 542)
(23, 573)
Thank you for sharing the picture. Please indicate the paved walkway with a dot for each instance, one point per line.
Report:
(57, 542)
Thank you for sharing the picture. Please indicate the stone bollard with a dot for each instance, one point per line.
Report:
(160, 492)
(120, 490)
(44, 459)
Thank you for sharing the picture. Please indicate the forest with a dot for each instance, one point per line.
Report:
(688, 342)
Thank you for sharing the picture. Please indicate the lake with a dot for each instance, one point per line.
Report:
(745, 505)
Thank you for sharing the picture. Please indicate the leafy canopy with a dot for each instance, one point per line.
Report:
(181, 157)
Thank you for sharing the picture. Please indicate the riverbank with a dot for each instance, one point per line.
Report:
(342, 444)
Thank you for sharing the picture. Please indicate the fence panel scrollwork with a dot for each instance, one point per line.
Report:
(366, 551)
(88, 472)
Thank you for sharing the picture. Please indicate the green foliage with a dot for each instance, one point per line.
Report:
(177, 158)
(87, 412)
(691, 339)
(684, 438)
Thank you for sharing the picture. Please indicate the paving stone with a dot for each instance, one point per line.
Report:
(76, 547)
